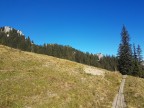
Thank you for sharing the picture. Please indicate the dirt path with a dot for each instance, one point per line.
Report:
(119, 101)
(93, 71)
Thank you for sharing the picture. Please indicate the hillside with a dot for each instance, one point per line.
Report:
(32, 80)
(134, 92)
(16, 39)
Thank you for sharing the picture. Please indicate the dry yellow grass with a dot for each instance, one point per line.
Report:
(30, 80)
(134, 92)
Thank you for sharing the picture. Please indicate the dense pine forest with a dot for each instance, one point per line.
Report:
(129, 60)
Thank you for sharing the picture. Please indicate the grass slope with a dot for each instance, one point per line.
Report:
(134, 92)
(29, 80)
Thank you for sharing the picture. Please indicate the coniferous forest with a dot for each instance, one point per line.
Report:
(126, 63)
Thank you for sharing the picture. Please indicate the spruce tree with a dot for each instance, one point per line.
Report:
(136, 67)
(139, 54)
(125, 61)
(140, 59)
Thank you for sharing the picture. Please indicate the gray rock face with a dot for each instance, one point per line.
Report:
(100, 56)
(7, 29)
(143, 63)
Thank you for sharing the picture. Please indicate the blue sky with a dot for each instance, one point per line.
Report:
(87, 25)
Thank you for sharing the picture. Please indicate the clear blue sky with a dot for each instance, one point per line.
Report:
(87, 25)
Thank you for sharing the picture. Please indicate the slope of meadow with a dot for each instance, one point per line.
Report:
(134, 92)
(29, 80)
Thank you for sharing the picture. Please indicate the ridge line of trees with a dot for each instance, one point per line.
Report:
(15, 40)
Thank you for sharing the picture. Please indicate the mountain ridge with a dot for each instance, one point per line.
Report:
(12, 38)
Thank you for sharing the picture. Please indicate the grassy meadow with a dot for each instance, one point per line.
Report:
(29, 80)
(134, 92)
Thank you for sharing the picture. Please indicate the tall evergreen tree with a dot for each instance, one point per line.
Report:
(125, 53)
(135, 53)
(140, 60)
(136, 67)
(139, 54)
